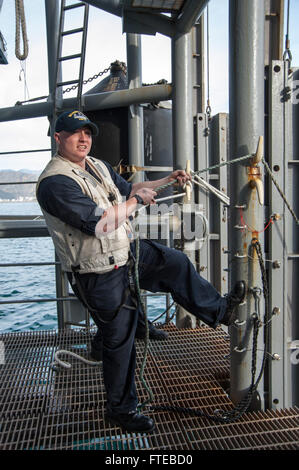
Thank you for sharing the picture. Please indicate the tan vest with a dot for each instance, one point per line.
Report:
(76, 250)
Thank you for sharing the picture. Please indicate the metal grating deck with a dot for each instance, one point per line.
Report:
(45, 409)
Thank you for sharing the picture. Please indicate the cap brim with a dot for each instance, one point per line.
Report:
(93, 127)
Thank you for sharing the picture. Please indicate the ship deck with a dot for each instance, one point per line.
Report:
(62, 409)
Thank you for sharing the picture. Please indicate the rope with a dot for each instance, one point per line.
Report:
(67, 365)
(208, 108)
(287, 55)
(21, 24)
(146, 339)
(245, 157)
(280, 191)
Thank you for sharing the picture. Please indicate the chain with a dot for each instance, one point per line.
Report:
(88, 80)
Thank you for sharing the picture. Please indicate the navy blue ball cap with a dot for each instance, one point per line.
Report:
(70, 121)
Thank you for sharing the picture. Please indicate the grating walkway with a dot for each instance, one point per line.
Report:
(46, 409)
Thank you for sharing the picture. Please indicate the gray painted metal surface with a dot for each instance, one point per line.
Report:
(246, 51)
(287, 171)
(283, 237)
(212, 149)
(114, 7)
(148, 21)
(218, 218)
(192, 10)
(280, 386)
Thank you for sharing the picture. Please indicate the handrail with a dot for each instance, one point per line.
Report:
(25, 151)
(4, 183)
(26, 301)
(10, 265)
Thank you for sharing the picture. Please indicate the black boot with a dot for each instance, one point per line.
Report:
(96, 350)
(154, 333)
(131, 422)
(234, 298)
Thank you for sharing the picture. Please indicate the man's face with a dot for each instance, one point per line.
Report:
(74, 146)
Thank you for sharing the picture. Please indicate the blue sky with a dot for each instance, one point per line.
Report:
(106, 43)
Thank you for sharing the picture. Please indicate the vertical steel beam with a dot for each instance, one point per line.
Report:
(279, 111)
(247, 24)
(218, 211)
(292, 178)
(52, 8)
(135, 118)
(198, 66)
(274, 30)
(202, 160)
(182, 125)
(182, 101)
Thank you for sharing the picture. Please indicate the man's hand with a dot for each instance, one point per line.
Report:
(181, 176)
(147, 195)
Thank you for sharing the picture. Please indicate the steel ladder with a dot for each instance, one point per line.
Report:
(77, 82)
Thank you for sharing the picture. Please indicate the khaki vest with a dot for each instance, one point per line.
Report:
(76, 250)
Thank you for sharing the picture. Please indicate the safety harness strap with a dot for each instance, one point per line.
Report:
(130, 290)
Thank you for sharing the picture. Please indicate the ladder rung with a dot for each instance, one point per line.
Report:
(74, 5)
(69, 57)
(72, 31)
(70, 82)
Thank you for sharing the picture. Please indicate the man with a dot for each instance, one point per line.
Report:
(82, 201)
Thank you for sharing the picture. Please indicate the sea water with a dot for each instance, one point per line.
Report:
(34, 282)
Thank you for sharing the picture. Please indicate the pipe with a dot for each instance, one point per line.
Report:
(246, 126)
(135, 112)
(182, 126)
(182, 113)
(111, 99)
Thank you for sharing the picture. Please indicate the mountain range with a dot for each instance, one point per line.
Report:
(17, 191)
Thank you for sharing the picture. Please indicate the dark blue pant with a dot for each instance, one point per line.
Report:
(161, 269)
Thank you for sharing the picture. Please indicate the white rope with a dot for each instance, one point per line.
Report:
(161, 199)
(67, 365)
(21, 23)
(203, 184)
